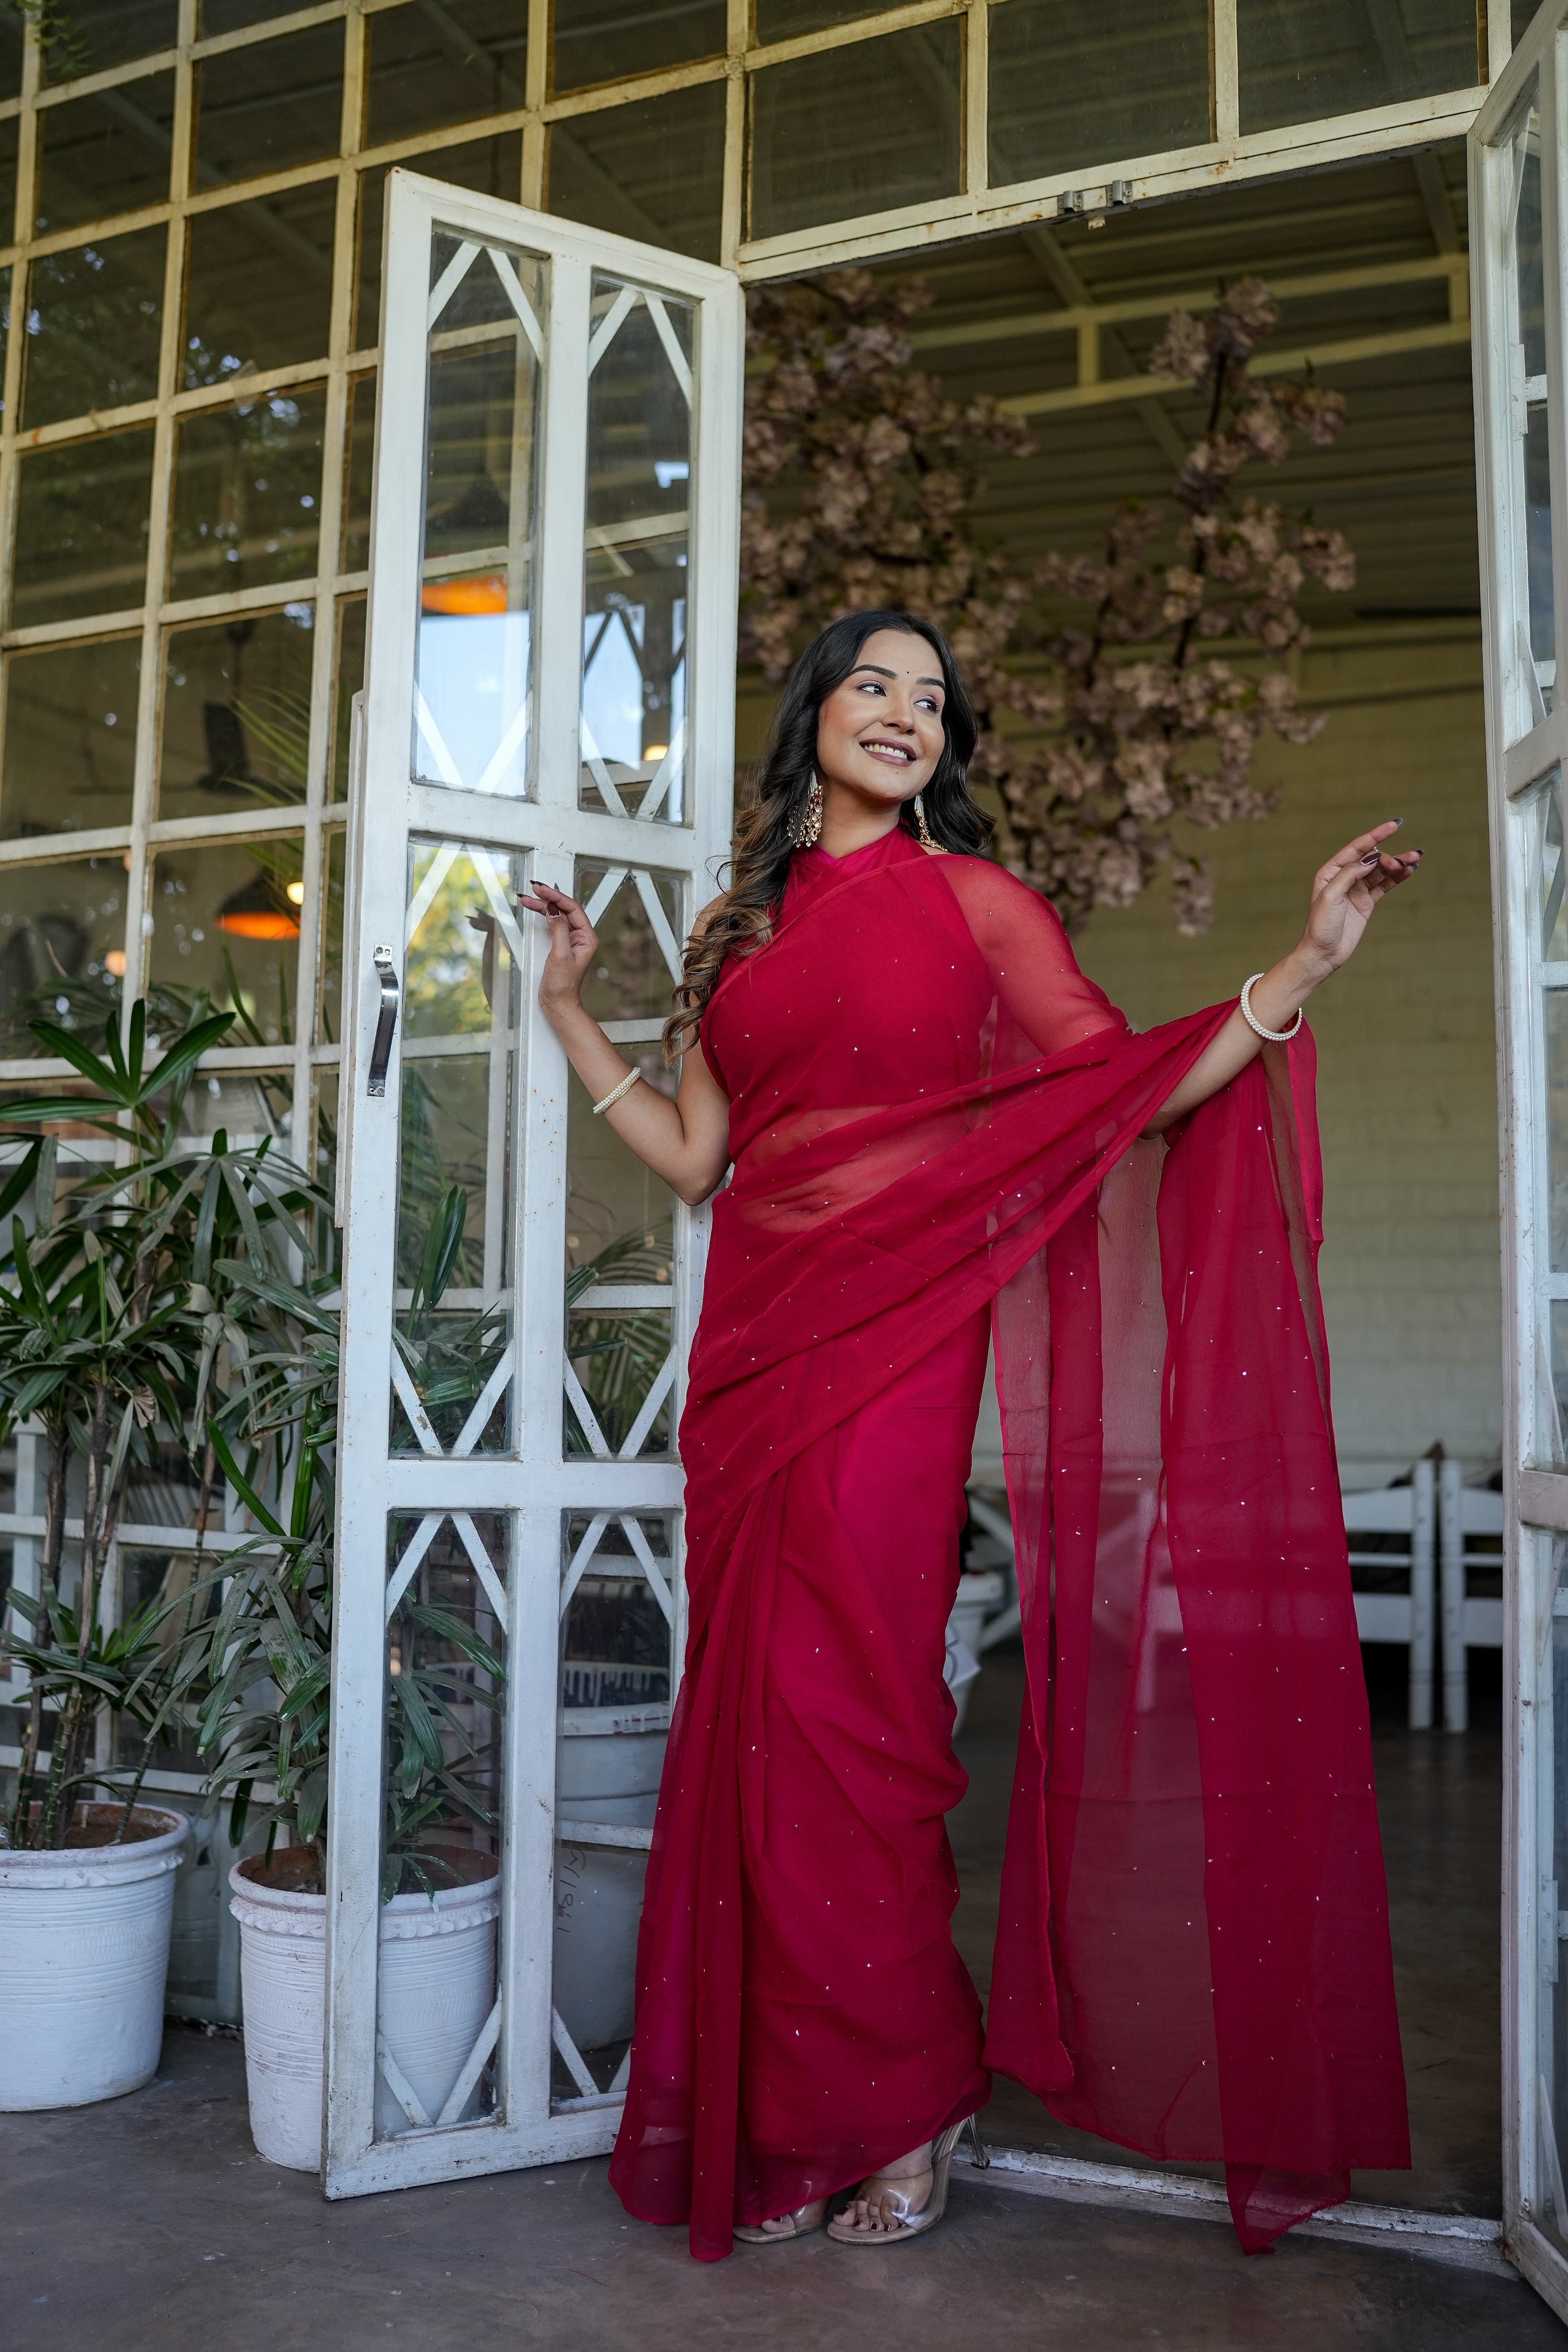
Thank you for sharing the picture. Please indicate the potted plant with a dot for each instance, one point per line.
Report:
(108, 1335)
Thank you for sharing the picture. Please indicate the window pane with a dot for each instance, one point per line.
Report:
(264, 108)
(90, 34)
(865, 129)
(62, 947)
(329, 993)
(636, 584)
(490, 167)
(11, 39)
(455, 1176)
(475, 658)
(258, 284)
(653, 170)
(10, 134)
(447, 1609)
(605, 40)
(348, 677)
(619, 1241)
(82, 529)
(785, 20)
(1069, 87)
(230, 910)
(427, 67)
(104, 155)
(355, 547)
(1299, 63)
(231, 16)
(248, 485)
(94, 316)
(236, 714)
(70, 736)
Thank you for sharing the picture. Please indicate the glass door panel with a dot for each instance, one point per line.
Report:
(518, 1291)
(1517, 165)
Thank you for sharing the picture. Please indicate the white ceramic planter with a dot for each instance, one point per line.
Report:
(84, 1952)
(436, 1987)
(611, 1776)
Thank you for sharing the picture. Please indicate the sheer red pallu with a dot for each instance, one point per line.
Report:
(934, 1114)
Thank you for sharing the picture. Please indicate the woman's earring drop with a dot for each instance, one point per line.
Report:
(808, 832)
(927, 841)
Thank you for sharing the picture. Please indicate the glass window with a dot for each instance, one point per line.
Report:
(1070, 88)
(98, 156)
(637, 582)
(349, 678)
(258, 283)
(653, 170)
(330, 994)
(88, 35)
(226, 920)
(357, 463)
(94, 319)
(62, 946)
(70, 736)
(475, 661)
(82, 529)
(427, 67)
(237, 713)
(12, 37)
(247, 487)
(231, 16)
(785, 20)
(266, 107)
(10, 135)
(491, 167)
(607, 40)
(862, 130)
(1299, 63)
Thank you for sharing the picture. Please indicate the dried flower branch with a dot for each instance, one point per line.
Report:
(860, 480)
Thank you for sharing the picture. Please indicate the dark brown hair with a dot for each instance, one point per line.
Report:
(742, 919)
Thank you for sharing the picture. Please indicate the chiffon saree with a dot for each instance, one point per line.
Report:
(937, 1126)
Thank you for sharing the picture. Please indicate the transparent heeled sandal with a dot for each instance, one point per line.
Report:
(890, 2193)
(801, 2225)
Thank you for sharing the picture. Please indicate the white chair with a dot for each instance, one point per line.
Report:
(1470, 1620)
(1407, 1613)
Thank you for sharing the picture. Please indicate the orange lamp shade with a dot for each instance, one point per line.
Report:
(465, 597)
(259, 923)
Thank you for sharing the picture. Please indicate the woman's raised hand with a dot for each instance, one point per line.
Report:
(573, 943)
(1346, 891)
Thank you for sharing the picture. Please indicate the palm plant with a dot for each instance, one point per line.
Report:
(115, 1319)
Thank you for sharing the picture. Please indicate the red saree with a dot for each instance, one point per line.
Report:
(934, 1113)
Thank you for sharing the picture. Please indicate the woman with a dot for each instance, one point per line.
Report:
(940, 1132)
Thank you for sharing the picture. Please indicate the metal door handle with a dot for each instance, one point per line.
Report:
(385, 1020)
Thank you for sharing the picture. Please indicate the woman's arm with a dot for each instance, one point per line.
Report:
(1346, 893)
(686, 1142)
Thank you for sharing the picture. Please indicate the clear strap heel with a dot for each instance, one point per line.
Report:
(890, 2193)
(803, 2222)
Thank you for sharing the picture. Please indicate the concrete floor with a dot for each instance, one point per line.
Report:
(1441, 1801)
(148, 2224)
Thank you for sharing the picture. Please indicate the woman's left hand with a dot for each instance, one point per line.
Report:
(1346, 891)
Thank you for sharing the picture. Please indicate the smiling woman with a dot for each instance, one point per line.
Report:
(940, 1132)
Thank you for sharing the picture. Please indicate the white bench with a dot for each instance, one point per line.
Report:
(1470, 1620)
(1407, 1616)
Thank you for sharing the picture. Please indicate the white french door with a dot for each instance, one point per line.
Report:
(549, 692)
(1519, 212)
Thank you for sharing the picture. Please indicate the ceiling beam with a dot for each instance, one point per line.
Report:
(1346, 351)
(1098, 343)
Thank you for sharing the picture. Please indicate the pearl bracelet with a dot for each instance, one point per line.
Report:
(1274, 1036)
(627, 1083)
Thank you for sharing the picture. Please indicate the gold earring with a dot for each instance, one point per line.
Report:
(928, 843)
(808, 832)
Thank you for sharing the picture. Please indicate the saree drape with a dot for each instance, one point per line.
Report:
(934, 1113)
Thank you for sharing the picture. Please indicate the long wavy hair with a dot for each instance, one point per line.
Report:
(742, 919)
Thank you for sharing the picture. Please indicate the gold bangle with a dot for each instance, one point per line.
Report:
(627, 1083)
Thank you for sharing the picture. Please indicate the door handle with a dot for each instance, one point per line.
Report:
(385, 1020)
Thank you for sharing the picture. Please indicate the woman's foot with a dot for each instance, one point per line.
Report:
(782, 2227)
(894, 2195)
